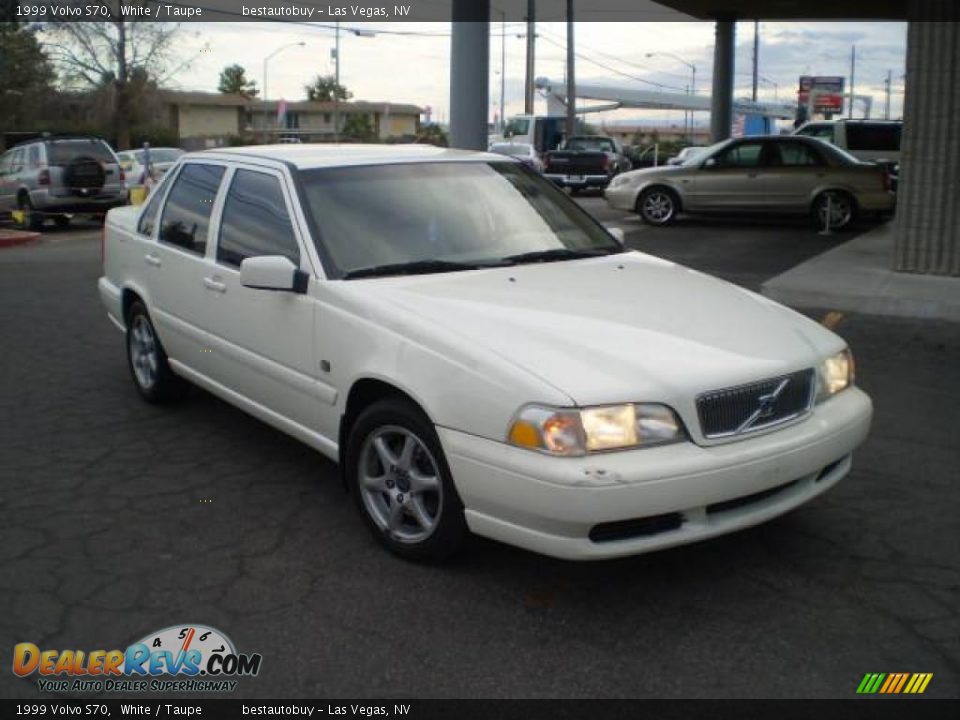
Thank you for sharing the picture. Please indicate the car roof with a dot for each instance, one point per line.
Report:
(307, 156)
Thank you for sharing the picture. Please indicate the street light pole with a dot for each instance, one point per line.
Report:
(693, 80)
(265, 61)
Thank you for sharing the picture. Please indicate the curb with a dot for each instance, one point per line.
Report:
(13, 238)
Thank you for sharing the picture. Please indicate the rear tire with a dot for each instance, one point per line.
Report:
(151, 373)
(658, 206)
(400, 480)
(843, 210)
(32, 220)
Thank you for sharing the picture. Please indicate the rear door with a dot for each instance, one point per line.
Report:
(177, 264)
(791, 170)
(263, 339)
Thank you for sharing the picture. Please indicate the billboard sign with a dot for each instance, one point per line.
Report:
(828, 90)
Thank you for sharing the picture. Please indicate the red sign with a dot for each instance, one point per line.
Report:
(828, 92)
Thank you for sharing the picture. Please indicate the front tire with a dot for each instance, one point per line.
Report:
(398, 475)
(147, 359)
(658, 206)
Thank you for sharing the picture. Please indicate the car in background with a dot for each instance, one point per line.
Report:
(585, 161)
(685, 154)
(524, 152)
(161, 160)
(875, 141)
(58, 176)
(762, 174)
(434, 321)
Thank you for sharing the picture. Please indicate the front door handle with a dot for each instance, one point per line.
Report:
(213, 284)
(152, 259)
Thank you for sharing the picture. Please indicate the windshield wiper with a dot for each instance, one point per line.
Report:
(415, 267)
(559, 254)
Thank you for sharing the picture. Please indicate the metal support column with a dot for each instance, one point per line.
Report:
(470, 74)
(721, 103)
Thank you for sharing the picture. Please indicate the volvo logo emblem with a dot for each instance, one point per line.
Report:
(766, 406)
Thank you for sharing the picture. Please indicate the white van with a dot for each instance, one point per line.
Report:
(869, 140)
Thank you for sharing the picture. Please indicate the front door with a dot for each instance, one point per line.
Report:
(729, 180)
(263, 339)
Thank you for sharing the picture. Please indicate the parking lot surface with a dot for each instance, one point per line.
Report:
(118, 518)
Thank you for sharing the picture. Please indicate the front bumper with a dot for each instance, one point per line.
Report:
(621, 197)
(578, 181)
(552, 505)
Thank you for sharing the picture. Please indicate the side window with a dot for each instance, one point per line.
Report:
(33, 157)
(796, 154)
(873, 136)
(255, 220)
(148, 219)
(16, 164)
(186, 216)
(745, 154)
(5, 162)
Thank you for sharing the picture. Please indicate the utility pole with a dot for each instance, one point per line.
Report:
(887, 83)
(571, 82)
(756, 57)
(531, 40)
(336, 87)
(853, 75)
(503, 67)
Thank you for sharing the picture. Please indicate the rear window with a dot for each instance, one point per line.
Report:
(874, 136)
(62, 152)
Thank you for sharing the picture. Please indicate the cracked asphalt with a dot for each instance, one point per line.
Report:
(118, 518)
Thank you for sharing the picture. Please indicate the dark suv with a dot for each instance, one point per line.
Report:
(57, 176)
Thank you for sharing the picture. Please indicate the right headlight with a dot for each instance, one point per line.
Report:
(578, 431)
(835, 374)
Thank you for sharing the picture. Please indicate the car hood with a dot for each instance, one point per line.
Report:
(658, 171)
(617, 328)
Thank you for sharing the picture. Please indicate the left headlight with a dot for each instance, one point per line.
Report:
(574, 432)
(836, 373)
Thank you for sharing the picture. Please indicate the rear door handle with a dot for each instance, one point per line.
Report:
(213, 284)
(152, 259)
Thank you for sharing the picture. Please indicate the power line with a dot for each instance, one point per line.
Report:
(614, 70)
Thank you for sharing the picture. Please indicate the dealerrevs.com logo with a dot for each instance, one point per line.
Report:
(180, 658)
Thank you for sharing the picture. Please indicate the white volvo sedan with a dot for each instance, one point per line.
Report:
(475, 351)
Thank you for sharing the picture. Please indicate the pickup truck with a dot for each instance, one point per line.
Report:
(475, 351)
(585, 161)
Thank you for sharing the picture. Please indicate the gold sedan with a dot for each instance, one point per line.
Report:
(763, 174)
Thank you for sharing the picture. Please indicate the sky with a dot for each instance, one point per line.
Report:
(415, 68)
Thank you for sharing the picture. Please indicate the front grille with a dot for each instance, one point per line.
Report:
(763, 404)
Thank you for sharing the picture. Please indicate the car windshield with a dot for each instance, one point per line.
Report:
(440, 214)
(62, 152)
(590, 145)
(511, 150)
(159, 155)
(695, 158)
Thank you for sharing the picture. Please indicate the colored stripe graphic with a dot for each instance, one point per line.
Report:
(894, 683)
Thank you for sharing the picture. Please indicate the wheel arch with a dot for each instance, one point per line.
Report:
(364, 392)
(660, 183)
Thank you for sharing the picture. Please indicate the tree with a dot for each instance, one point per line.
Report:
(325, 88)
(357, 127)
(233, 79)
(433, 134)
(111, 52)
(26, 78)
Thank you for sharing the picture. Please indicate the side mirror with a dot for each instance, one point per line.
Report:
(618, 235)
(273, 272)
(709, 163)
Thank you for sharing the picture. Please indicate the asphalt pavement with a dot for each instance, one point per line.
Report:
(118, 518)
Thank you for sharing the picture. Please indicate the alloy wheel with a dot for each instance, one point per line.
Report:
(400, 484)
(143, 352)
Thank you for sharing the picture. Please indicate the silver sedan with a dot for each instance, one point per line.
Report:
(764, 174)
